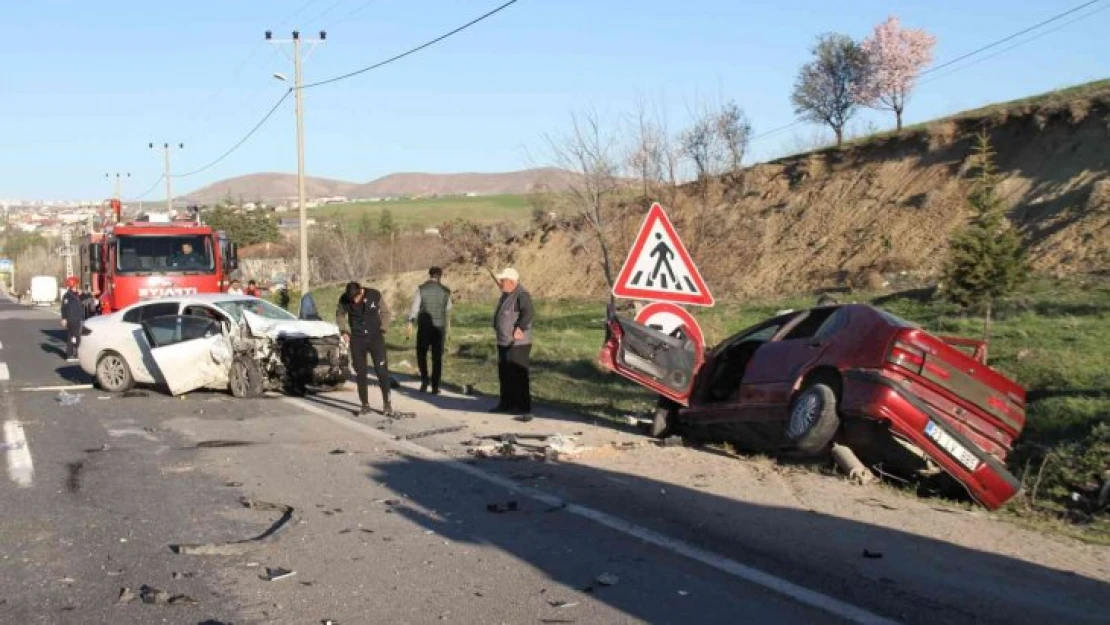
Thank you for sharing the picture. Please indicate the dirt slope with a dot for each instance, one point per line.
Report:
(874, 212)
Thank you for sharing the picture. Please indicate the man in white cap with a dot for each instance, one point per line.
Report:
(512, 321)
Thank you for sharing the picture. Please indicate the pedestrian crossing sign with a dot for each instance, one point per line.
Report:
(659, 268)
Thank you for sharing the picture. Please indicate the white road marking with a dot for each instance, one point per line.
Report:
(1, 346)
(64, 387)
(4, 373)
(20, 468)
(801, 594)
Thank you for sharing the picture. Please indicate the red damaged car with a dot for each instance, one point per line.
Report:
(901, 398)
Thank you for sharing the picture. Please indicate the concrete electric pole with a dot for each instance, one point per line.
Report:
(119, 188)
(169, 178)
(298, 94)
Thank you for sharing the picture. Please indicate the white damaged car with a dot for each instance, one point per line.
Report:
(215, 341)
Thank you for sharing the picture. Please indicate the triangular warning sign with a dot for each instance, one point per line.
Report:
(659, 268)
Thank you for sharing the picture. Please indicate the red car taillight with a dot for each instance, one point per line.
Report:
(906, 357)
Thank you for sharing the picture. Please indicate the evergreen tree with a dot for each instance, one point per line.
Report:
(986, 259)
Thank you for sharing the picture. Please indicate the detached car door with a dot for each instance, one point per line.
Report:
(660, 362)
(190, 352)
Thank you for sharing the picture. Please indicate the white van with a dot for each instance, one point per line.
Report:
(44, 290)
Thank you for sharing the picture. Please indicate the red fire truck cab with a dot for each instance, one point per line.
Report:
(154, 257)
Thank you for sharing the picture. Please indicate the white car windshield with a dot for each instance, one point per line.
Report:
(260, 307)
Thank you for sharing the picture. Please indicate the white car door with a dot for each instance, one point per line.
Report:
(132, 341)
(190, 352)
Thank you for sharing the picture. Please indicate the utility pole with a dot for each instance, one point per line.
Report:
(67, 250)
(298, 97)
(167, 175)
(119, 190)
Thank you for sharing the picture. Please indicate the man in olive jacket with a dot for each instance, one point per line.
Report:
(431, 307)
(512, 323)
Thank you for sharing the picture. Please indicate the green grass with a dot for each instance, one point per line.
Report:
(431, 212)
(1052, 338)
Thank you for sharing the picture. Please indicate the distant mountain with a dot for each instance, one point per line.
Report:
(410, 184)
(274, 186)
(268, 186)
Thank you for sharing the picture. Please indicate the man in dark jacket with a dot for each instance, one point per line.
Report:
(362, 317)
(431, 307)
(73, 317)
(512, 323)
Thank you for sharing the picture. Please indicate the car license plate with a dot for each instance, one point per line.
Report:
(949, 444)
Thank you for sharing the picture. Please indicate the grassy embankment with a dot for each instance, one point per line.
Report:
(1052, 338)
(420, 213)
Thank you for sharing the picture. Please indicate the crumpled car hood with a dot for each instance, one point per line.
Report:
(293, 328)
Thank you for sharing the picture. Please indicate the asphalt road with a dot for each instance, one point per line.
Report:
(99, 490)
(95, 494)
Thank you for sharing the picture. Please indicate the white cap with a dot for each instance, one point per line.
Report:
(509, 273)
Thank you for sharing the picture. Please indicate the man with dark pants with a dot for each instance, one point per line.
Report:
(431, 307)
(362, 317)
(73, 317)
(512, 322)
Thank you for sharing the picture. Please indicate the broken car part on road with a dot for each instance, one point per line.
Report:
(240, 547)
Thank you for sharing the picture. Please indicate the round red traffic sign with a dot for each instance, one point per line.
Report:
(671, 319)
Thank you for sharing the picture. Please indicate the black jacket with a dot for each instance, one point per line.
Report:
(73, 311)
(368, 318)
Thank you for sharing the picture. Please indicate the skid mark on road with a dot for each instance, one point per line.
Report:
(20, 468)
(801, 594)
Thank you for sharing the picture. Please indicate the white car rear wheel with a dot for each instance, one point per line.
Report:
(113, 374)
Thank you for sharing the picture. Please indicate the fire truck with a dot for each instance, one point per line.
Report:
(154, 256)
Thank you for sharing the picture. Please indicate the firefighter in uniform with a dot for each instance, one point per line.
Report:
(362, 316)
(73, 318)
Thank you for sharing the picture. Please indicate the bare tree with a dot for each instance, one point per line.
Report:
(344, 253)
(699, 144)
(734, 131)
(588, 149)
(646, 154)
(825, 90)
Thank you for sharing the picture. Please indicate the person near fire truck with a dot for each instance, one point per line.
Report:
(73, 318)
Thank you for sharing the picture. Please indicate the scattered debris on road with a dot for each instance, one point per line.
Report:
(562, 604)
(240, 547)
(153, 596)
(510, 506)
(221, 443)
(233, 484)
(338, 452)
(125, 596)
(426, 433)
(672, 441)
(134, 394)
(67, 399)
(176, 575)
(872, 555)
(73, 476)
(607, 579)
(275, 574)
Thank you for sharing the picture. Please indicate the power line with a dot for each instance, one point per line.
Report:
(148, 191)
(412, 50)
(245, 138)
(1010, 37)
(1016, 45)
(993, 44)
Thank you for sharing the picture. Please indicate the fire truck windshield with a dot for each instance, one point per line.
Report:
(137, 254)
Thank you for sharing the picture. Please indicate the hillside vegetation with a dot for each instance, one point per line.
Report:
(875, 211)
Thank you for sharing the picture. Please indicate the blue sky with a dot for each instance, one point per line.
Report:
(87, 85)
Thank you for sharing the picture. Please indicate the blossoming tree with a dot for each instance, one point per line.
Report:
(894, 58)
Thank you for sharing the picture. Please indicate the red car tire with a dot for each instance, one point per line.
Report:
(813, 420)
